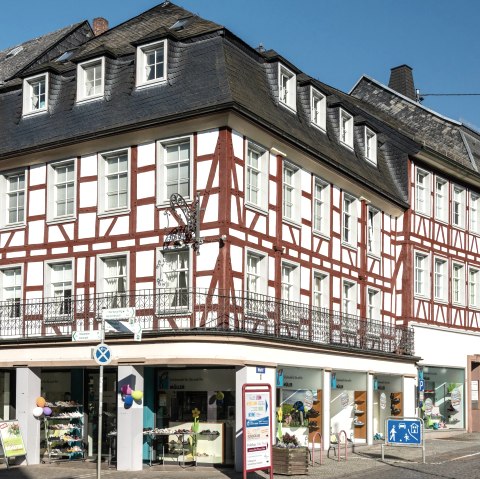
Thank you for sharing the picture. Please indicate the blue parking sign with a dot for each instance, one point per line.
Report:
(404, 432)
(421, 385)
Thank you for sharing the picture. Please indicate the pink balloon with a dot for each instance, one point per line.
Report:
(129, 390)
(124, 389)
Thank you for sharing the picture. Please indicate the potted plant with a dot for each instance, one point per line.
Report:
(289, 457)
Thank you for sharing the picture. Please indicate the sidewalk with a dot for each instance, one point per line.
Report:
(441, 446)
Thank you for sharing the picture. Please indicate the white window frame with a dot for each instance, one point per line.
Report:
(5, 194)
(171, 304)
(474, 212)
(421, 268)
(290, 285)
(458, 206)
(349, 298)
(320, 289)
(370, 145)
(374, 304)
(422, 191)
(349, 220)
(440, 279)
(287, 87)
(82, 94)
(441, 199)
(294, 188)
(458, 284)
(321, 206)
(374, 238)
(260, 276)
(473, 287)
(261, 173)
(162, 197)
(345, 128)
(14, 305)
(28, 94)
(318, 109)
(118, 298)
(61, 307)
(103, 174)
(141, 66)
(52, 216)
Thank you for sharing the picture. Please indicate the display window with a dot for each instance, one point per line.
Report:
(387, 402)
(443, 399)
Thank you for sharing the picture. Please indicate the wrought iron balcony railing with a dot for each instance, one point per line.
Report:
(182, 310)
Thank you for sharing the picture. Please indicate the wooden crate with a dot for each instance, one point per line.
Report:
(290, 461)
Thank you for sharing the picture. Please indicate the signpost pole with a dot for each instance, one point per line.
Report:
(100, 407)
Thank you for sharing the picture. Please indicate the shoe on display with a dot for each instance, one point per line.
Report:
(358, 411)
(395, 410)
(395, 400)
(357, 423)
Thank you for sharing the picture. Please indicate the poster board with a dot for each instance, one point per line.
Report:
(257, 427)
(11, 438)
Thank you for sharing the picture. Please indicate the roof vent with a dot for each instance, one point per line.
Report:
(65, 56)
(401, 80)
(14, 52)
(180, 24)
(261, 48)
(100, 25)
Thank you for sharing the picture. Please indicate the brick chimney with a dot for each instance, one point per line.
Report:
(401, 80)
(100, 25)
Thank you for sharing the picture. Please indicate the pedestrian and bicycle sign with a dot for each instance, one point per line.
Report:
(404, 431)
(102, 354)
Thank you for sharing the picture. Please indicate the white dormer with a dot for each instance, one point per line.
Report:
(35, 94)
(318, 109)
(370, 145)
(287, 87)
(151, 63)
(345, 128)
(91, 79)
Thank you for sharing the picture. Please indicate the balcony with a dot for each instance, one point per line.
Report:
(163, 311)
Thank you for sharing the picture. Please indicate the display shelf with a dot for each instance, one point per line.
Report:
(396, 406)
(64, 431)
(315, 420)
(359, 415)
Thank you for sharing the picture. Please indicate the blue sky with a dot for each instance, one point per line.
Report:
(335, 41)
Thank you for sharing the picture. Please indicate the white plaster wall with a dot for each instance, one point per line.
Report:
(206, 142)
(233, 210)
(211, 211)
(86, 225)
(88, 165)
(237, 143)
(36, 232)
(146, 184)
(36, 203)
(88, 194)
(146, 154)
(236, 255)
(121, 226)
(203, 170)
(104, 224)
(145, 218)
(35, 274)
(208, 257)
(37, 175)
(272, 193)
(239, 172)
(80, 270)
(145, 263)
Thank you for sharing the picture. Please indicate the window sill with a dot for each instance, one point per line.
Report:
(425, 214)
(318, 127)
(288, 107)
(63, 219)
(458, 227)
(443, 221)
(106, 214)
(423, 297)
(90, 98)
(30, 114)
(320, 234)
(291, 222)
(151, 83)
(256, 208)
(458, 305)
(16, 226)
(376, 256)
(346, 145)
(349, 246)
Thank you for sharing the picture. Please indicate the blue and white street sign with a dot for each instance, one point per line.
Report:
(404, 432)
(421, 385)
(102, 354)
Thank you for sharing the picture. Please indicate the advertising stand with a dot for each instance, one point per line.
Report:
(12, 441)
(257, 428)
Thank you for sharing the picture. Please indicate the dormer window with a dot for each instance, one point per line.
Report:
(287, 87)
(370, 145)
(346, 128)
(152, 63)
(90, 79)
(318, 109)
(35, 94)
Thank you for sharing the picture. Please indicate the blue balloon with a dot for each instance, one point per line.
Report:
(128, 400)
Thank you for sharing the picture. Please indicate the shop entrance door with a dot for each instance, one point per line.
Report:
(474, 392)
(91, 410)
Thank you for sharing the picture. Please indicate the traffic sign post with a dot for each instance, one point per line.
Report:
(404, 432)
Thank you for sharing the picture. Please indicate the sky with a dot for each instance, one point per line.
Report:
(335, 41)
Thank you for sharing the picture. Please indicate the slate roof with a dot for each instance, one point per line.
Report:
(447, 137)
(209, 70)
(34, 50)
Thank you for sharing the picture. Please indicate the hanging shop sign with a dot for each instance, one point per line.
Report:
(383, 400)
(12, 440)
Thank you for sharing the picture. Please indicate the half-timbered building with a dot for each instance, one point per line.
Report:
(218, 218)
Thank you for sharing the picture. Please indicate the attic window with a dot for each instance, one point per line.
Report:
(180, 24)
(287, 87)
(318, 109)
(346, 128)
(370, 145)
(151, 63)
(35, 94)
(14, 52)
(65, 56)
